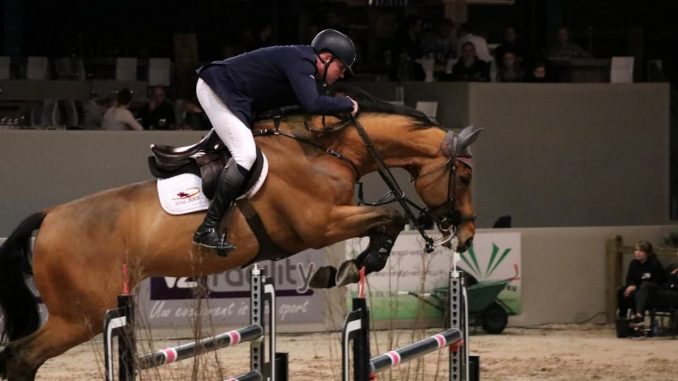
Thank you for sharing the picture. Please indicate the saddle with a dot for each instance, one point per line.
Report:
(206, 159)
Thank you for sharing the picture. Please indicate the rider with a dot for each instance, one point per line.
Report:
(233, 90)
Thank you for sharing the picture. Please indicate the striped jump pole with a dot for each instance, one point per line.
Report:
(355, 335)
(120, 322)
(415, 350)
(192, 349)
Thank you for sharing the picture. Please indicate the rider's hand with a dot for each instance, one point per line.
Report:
(355, 106)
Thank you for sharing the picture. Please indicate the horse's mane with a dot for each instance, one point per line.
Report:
(367, 103)
(370, 103)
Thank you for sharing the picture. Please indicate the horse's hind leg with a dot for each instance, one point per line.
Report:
(23, 357)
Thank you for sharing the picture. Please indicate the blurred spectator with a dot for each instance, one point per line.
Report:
(158, 113)
(193, 117)
(538, 73)
(470, 68)
(118, 117)
(564, 48)
(408, 47)
(509, 68)
(465, 35)
(509, 44)
(93, 110)
(444, 44)
(644, 268)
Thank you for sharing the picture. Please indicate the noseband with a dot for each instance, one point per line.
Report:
(446, 215)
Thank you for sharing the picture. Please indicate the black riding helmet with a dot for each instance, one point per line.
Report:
(337, 43)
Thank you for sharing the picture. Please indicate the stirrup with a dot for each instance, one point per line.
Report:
(211, 239)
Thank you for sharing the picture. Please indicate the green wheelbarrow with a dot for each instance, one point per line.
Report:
(484, 307)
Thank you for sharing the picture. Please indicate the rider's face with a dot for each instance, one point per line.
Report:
(335, 71)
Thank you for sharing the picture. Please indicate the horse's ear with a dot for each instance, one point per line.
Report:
(467, 136)
(456, 145)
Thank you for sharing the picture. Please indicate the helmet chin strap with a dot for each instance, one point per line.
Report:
(326, 66)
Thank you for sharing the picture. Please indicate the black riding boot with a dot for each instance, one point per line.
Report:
(207, 235)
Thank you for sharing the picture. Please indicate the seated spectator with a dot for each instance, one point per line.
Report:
(119, 117)
(666, 297)
(509, 44)
(93, 110)
(158, 113)
(465, 35)
(407, 49)
(444, 44)
(193, 117)
(644, 276)
(470, 68)
(538, 73)
(564, 48)
(509, 68)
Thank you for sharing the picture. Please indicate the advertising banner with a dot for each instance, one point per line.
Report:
(170, 301)
(413, 285)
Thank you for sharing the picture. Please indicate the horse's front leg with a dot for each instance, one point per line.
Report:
(382, 225)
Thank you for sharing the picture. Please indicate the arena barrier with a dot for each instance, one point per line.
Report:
(120, 322)
(356, 335)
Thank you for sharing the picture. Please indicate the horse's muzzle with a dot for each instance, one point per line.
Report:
(463, 246)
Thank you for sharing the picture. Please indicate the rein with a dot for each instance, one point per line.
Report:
(445, 223)
(276, 131)
(391, 182)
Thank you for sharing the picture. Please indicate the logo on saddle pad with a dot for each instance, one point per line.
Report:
(188, 193)
(183, 194)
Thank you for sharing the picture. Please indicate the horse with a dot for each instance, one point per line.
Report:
(306, 201)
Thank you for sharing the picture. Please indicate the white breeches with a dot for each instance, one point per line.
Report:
(232, 131)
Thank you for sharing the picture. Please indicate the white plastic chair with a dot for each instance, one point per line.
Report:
(621, 70)
(5, 62)
(159, 72)
(50, 113)
(429, 108)
(37, 68)
(71, 118)
(126, 68)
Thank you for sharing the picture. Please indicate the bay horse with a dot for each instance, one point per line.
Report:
(307, 201)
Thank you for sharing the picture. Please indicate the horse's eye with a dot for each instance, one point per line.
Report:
(466, 180)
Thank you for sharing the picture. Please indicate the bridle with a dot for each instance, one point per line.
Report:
(446, 215)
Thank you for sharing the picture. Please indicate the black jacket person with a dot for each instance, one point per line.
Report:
(232, 91)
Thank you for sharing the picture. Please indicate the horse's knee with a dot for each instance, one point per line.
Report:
(396, 222)
(375, 256)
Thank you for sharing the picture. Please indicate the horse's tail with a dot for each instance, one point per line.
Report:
(18, 304)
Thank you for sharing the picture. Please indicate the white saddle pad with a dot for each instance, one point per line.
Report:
(182, 194)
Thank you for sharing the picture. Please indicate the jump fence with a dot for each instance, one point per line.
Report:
(355, 335)
(120, 322)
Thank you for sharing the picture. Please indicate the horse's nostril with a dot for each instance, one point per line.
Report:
(468, 242)
(462, 247)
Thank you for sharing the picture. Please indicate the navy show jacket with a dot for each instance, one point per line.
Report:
(269, 78)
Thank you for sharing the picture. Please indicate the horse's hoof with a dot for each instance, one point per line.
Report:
(348, 273)
(323, 278)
